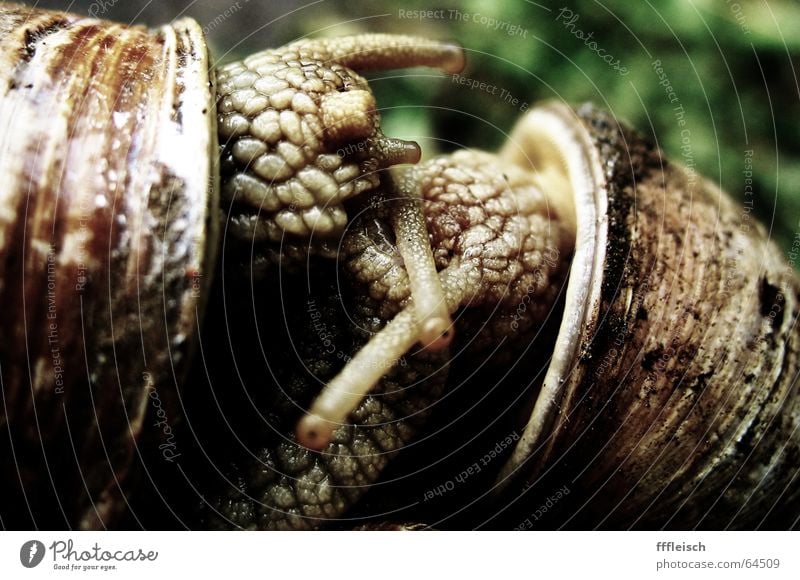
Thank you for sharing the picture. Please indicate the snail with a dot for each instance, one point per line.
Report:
(121, 147)
(667, 396)
(645, 327)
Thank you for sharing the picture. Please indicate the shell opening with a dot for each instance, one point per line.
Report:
(547, 141)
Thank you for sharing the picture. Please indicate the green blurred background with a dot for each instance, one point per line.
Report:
(731, 65)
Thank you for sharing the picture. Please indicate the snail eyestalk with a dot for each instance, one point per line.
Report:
(384, 51)
(427, 320)
(343, 394)
(389, 151)
(300, 135)
(348, 116)
(411, 234)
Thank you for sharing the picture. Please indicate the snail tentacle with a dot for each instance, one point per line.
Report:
(301, 135)
(276, 483)
(375, 51)
(344, 393)
(350, 117)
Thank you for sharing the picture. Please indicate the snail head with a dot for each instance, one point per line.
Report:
(300, 133)
(470, 235)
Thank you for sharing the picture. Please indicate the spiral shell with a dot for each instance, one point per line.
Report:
(105, 214)
(671, 399)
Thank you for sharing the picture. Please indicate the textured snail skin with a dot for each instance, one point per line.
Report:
(490, 226)
(672, 397)
(300, 137)
(491, 250)
(269, 480)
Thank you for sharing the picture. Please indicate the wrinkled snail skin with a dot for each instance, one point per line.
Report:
(671, 399)
(110, 224)
(268, 480)
(301, 134)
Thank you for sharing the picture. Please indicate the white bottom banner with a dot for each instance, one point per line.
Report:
(401, 555)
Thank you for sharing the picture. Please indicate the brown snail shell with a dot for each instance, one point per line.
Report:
(106, 240)
(671, 398)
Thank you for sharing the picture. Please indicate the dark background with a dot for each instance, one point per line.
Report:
(731, 65)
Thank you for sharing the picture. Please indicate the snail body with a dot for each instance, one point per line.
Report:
(106, 140)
